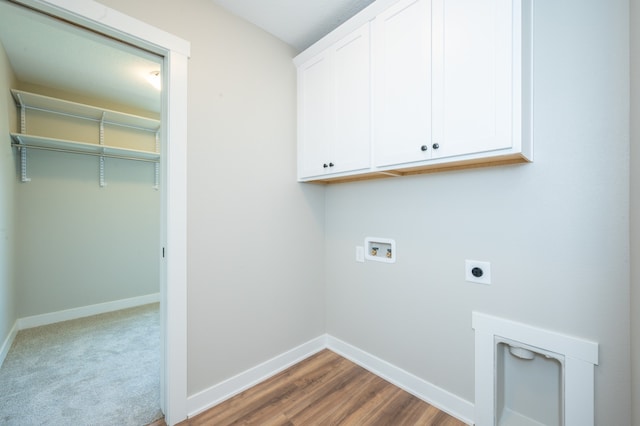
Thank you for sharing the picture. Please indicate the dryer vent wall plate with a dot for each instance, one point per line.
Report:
(380, 249)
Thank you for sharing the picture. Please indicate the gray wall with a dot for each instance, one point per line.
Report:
(81, 245)
(556, 231)
(635, 210)
(8, 298)
(255, 236)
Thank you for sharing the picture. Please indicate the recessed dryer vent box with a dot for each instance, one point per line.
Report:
(380, 249)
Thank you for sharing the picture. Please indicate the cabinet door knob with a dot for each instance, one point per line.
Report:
(331, 164)
(423, 148)
(436, 145)
(325, 165)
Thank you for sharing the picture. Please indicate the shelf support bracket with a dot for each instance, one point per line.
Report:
(23, 165)
(23, 118)
(156, 185)
(101, 160)
(23, 150)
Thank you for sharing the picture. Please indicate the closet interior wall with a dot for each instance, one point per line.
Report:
(7, 191)
(79, 244)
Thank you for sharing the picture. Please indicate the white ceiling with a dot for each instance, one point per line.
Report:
(299, 23)
(47, 52)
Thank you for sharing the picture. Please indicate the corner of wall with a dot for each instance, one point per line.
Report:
(8, 315)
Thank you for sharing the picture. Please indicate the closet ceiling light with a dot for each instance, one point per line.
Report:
(154, 79)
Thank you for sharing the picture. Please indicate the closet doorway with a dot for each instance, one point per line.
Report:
(89, 259)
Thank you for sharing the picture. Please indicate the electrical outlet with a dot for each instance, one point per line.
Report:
(477, 271)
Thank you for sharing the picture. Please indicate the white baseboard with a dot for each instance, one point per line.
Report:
(443, 400)
(449, 403)
(6, 345)
(86, 311)
(216, 394)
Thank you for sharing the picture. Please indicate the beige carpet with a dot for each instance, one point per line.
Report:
(100, 370)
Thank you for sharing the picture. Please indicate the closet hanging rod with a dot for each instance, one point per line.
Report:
(84, 117)
(94, 154)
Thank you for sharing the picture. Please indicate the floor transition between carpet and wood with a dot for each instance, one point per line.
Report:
(325, 389)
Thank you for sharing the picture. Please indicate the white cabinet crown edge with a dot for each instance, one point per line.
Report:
(367, 14)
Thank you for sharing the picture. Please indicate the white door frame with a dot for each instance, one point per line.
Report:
(173, 274)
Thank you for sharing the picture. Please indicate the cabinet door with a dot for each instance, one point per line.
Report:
(472, 76)
(402, 83)
(334, 108)
(350, 148)
(315, 114)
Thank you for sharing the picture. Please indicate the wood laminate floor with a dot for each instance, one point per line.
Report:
(325, 389)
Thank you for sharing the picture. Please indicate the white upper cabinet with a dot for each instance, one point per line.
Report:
(334, 118)
(472, 76)
(447, 84)
(402, 83)
(315, 109)
(443, 80)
